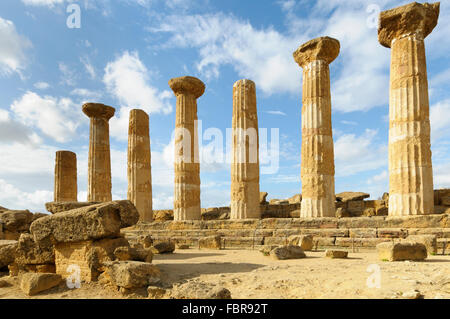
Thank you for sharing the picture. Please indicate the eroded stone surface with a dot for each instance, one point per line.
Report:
(99, 163)
(317, 170)
(187, 165)
(34, 283)
(245, 196)
(139, 164)
(401, 251)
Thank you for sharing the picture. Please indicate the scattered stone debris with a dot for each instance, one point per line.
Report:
(287, 252)
(389, 251)
(32, 284)
(165, 247)
(331, 253)
(210, 242)
(199, 290)
(306, 242)
(132, 274)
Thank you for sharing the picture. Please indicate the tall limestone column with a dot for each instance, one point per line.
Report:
(245, 160)
(99, 163)
(139, 164)
(317, 167)
(403, 29)
(65, 177)
(187, 89)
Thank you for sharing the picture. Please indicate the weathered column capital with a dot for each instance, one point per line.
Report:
(98, 110)
(187, 85)
(323, 48)
(244, 82)
(413, 18)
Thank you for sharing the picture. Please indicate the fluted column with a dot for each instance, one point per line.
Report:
(139, 164)
(245, 160)
(65, 177)
(99, 163)
(187, 89)
(317, 167)
(403, 29)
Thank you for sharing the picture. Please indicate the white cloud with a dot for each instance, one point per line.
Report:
(275, 113)
(12, 48)
(86, 94)
(10, 195)
(68, 75)
(48, 3)
(88, 67)
(56, 118)
(355, 154)
(127, 78)
(41, 85)
(440, 119)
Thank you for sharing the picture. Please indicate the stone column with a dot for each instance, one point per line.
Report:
(317, 167)
(187, 89)
(245, 160)
(65, 177)
(139, 164)
(99, 165)
(403, 29)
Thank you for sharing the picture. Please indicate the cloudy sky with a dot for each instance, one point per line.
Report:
(125, 51)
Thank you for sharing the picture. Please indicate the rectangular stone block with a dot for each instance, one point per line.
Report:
(332, 232)
(429, 241)
(401, 251)
(361, 222)
(392, 233)
(359, 242)
(356, 208)
(363, 233)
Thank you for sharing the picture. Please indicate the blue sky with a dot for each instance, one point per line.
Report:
(125, 52)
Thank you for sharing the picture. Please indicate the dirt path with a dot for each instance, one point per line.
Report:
(249, 274)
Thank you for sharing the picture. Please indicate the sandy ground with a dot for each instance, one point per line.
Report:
(249, 274)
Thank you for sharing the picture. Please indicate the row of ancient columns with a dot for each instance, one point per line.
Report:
(410, 171)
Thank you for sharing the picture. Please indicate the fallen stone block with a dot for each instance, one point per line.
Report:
(132, 274)
(401, 251)
(33, 283)
(87, 256)
(15, 222)
(287, 252)
(7, 251)
(296, 199)
(210, 242)
(351, 196)
(86, 223)
(336, 253)
(155, 292)
(304, 241)
(59, 207)
(199, 290)
(430, 242)
(31, 253)
(165, 247)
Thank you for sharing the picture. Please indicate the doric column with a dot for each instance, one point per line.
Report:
(139, 164)
(245, 160)
(65, 177)
(99, 165)
(317, 167)
(187, 89)
(403, 29)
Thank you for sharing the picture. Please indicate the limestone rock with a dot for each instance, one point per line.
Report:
(263, 198)
(132, 274)
(122, 253)
(296, 199)
(142, 254)
(216, 213)
(34, 283)
(323, 48)
(430, 242)
(90, 256)
(267, 249)
(351, 196)
(15, 222)
(406, 20)
(86, 223)
(7, 251)
(199, 290)
(342, 212)
(210, 242)
(162, 215)
(29, 252)
(401, 251)
(163, 247)
(304, 241)
(155, 292)
(287, 252)
(58, 207)
(330, 253)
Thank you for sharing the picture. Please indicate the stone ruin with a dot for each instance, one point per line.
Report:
(113, 242)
